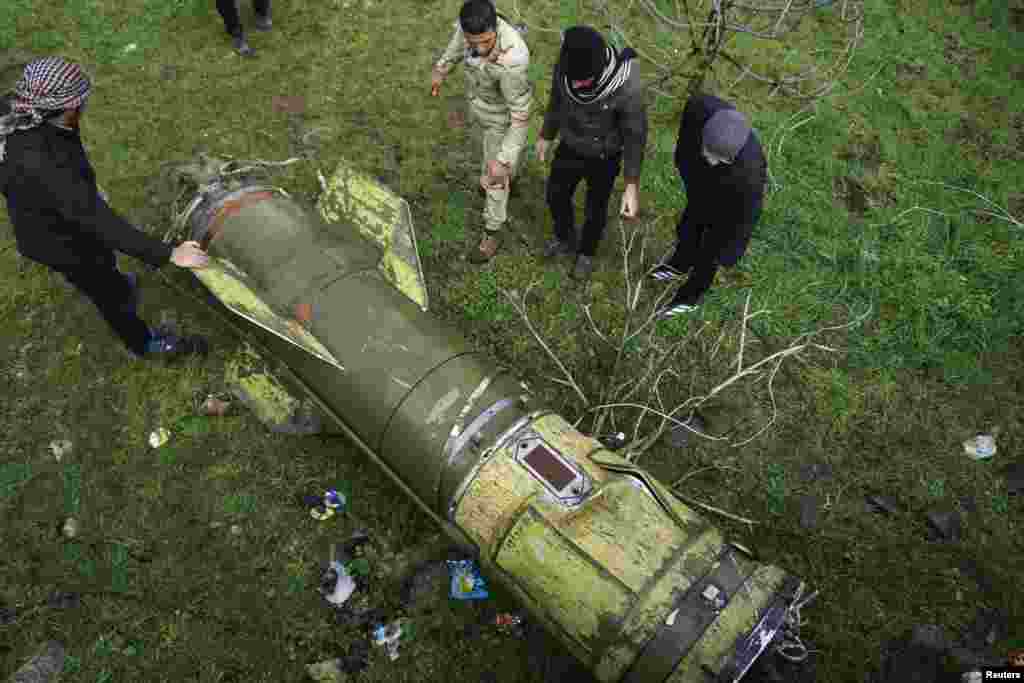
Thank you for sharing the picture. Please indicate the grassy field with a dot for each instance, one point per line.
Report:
(195, 563)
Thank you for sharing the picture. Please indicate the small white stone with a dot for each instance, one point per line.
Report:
(70, 528)
(60, 449)
(236, 530)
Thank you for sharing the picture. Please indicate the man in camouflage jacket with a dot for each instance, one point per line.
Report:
(500, 96)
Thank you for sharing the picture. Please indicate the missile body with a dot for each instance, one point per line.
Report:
(636, 584)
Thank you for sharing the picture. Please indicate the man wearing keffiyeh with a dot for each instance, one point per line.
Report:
(60, 218)
(597, 106)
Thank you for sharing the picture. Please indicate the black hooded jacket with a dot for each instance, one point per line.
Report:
(726, 198)
(54, 205)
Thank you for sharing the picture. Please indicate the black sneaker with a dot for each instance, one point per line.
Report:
(557, 247)
(263, 22)
(676, 308)
(584, 267)
(170, 346)
(665, 273)
(242, 47)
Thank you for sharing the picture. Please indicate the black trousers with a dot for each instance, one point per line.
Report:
(692, 255)
(567, 170)
(111, 293)
(701, 253)
(229, 11)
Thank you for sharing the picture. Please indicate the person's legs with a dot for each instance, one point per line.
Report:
(567, 169)
(601, 175)
(229, 12)
(701, 278)
(496, 209)
(688, 241)
(112, 293)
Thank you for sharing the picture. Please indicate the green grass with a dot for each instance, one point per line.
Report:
(935, 361)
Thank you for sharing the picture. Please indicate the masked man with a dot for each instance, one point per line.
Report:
(597, 105)
(59, 217)
(723, 168)
(500, 96)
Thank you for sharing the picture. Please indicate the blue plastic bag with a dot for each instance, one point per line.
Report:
(467, 583)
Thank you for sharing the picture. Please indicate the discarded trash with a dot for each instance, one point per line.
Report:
(818, 471)
(944, 524)
(324, 507)
(214, 407)
(389, 636)
(1014, 475)
(680, 435)
(60, 449)
(337, 584)
(334, 500)
(63, 600)
(980, 447)
(883, 504)
(613, 442)
(510, 623)
(236, 530)
(466, 581)
(328, 671)
(45, 666)
(70, 528)
(321, 513)
(159, 437)
(809, 508)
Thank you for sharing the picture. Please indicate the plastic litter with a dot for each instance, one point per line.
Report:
(159, 437)
(389, 636)
(337, 585)
(510, 623)
(980, 447)
(214, 407)
(45, 666)
(60, 449)
(70, 528)
(328, 671)
(466, 581)
(324, 507)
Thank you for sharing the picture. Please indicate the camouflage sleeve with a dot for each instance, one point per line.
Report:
(518, 93)
(454, 53)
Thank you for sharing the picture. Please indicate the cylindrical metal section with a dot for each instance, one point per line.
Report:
(635, 583)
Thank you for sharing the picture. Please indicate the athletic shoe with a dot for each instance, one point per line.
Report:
(557, 247)
(584, 267)
(242, 47)
(168, 345)
(675, 309)
(664, 273)
(263, 23)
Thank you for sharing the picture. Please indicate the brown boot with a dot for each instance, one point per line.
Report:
(488, 247)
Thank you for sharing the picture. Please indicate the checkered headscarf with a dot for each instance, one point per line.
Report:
(48, 84)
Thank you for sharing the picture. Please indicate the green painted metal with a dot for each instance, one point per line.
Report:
(599, 552)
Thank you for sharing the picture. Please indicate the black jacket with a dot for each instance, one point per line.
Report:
(726, 198)
(58, 215)
(617, 123)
